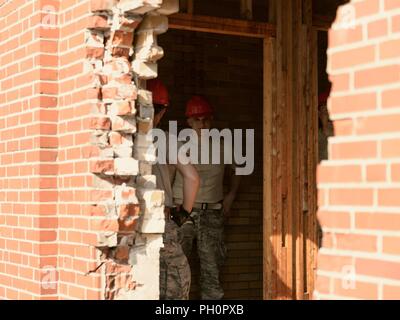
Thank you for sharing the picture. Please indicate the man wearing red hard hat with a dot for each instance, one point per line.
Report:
(211, 206)
(174, 267)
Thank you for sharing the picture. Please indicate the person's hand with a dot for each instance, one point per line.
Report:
(227, 204)
(179, 215)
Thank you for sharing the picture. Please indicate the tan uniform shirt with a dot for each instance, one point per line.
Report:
(211, 181)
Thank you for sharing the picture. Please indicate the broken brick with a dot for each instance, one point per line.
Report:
(151, 198)
(155, 23)
(99, 138)
(121, 52)
(114, 90)
(98, 108)
(103, 123)
(102, 166)
(126, 166)
(121, 108)
(95, 52)
(125, 124)
(139, 6)
(99, 22)
(121, 253)
(145, 70)
(125, 193)
(122, 38)
(117, 67)
(129, 22)
(105, 225)
(102, 5)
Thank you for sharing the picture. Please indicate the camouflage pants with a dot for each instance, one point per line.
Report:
(208, 230)
(174, 266)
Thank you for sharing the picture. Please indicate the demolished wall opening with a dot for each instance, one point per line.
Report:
(228, 71)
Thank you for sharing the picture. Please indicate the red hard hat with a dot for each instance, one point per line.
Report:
(159, 91)
(198, 106)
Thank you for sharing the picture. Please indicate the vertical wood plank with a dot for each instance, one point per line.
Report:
(269, 93)
(299, 95)
(311, 95)
(288, 268)
(279, 159)
(313, 162)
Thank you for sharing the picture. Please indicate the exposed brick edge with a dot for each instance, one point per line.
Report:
(127, 208)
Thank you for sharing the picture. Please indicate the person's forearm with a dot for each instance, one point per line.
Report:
(190, 188)
(191, 183)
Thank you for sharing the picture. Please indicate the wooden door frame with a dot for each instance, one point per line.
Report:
(266, 32)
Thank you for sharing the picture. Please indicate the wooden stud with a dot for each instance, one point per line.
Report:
(269, 98)
(246, 9)
(313, 162)
(299, 47)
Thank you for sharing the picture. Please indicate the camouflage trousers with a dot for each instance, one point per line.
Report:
(174, 267)
(208, 230)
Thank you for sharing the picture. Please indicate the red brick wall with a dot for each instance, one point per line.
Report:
(359, 186)
(75, 255)
(45, 230)
(28, 149)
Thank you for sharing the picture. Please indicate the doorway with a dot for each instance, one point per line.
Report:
(228, 71)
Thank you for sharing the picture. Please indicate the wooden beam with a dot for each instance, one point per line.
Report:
(246, 9)
(281, 142)
(299, 129)
(184, 21)
(312, 239)
(269, 83)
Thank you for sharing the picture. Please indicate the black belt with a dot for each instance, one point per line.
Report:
(208, 206)
(203, 206)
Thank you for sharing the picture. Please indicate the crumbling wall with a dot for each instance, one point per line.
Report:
(122, 54)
